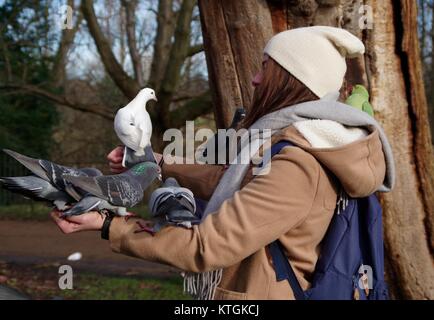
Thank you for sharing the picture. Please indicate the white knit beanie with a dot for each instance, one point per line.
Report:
(315, 55)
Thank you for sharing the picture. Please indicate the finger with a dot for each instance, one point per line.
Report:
(115, 165)
(117, 171)
(56, 215)
(64, 225)
(116, 158)
(111, 155)
(116, 153)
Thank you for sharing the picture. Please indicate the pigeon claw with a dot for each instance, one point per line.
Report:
(144, 228)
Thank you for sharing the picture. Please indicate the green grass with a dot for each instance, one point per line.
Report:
(40, 212)
(94, 287)
(34, 211)
(40, 282)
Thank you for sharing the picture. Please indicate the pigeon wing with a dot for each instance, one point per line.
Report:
(88, 184)
(84, 205)
(35, 188)
(121, 190)
(30, 163)
(91, 172)
(56, 174)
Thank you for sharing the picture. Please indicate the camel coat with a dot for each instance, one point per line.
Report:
(294, 203)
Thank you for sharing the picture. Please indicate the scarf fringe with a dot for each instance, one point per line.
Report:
(202, 285)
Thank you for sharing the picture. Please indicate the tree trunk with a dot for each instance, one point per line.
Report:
(408, 219)
(431, 80)
(391, 69)
(234, 33)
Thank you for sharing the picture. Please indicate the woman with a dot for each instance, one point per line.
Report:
(295, 201)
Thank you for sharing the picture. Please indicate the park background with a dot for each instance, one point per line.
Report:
(63, 77)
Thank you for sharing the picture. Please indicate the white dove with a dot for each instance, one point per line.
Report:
(133, 124)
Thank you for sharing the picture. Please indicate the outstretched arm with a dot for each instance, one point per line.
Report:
(266, 208)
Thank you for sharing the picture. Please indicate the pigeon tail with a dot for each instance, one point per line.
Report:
(30, 163)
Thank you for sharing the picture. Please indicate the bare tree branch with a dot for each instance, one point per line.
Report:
(130, 8)
(126, 84)
(6, 58)
(177, 55)
(163, 42)
(184, 97)
(60, 100)
(66, 41)
(194, 50)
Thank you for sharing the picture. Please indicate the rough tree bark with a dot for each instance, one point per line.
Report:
(399, 97)
(234, 35)
(431, 84)
(390, 69)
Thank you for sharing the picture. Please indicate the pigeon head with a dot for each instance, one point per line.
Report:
(148, 94)
(146, 169)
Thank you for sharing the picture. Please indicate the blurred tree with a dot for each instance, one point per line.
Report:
(172, 49)
(25, 124)
(391, 69)
(168, 60)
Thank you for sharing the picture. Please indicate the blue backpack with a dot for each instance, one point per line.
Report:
(351, 263)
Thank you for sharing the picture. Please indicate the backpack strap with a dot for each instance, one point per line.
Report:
(282, 267)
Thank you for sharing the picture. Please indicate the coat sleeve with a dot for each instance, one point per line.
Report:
(201, 179)
(266, 208)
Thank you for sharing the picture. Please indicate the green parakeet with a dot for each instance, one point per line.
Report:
(359, 99)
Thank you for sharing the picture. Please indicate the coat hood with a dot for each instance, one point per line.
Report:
(349, 142)
(353, 155)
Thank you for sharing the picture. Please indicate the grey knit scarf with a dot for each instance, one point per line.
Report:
(202, 285)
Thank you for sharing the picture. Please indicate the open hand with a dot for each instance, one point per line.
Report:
(90, 221)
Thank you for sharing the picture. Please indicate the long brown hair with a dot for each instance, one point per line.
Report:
(278, 89)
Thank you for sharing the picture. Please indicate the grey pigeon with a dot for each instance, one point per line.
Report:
(123, 190)
(53, 173)
(173, 204)
(37, 189)
(46, 183)
(56, 173)
(89, 203)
